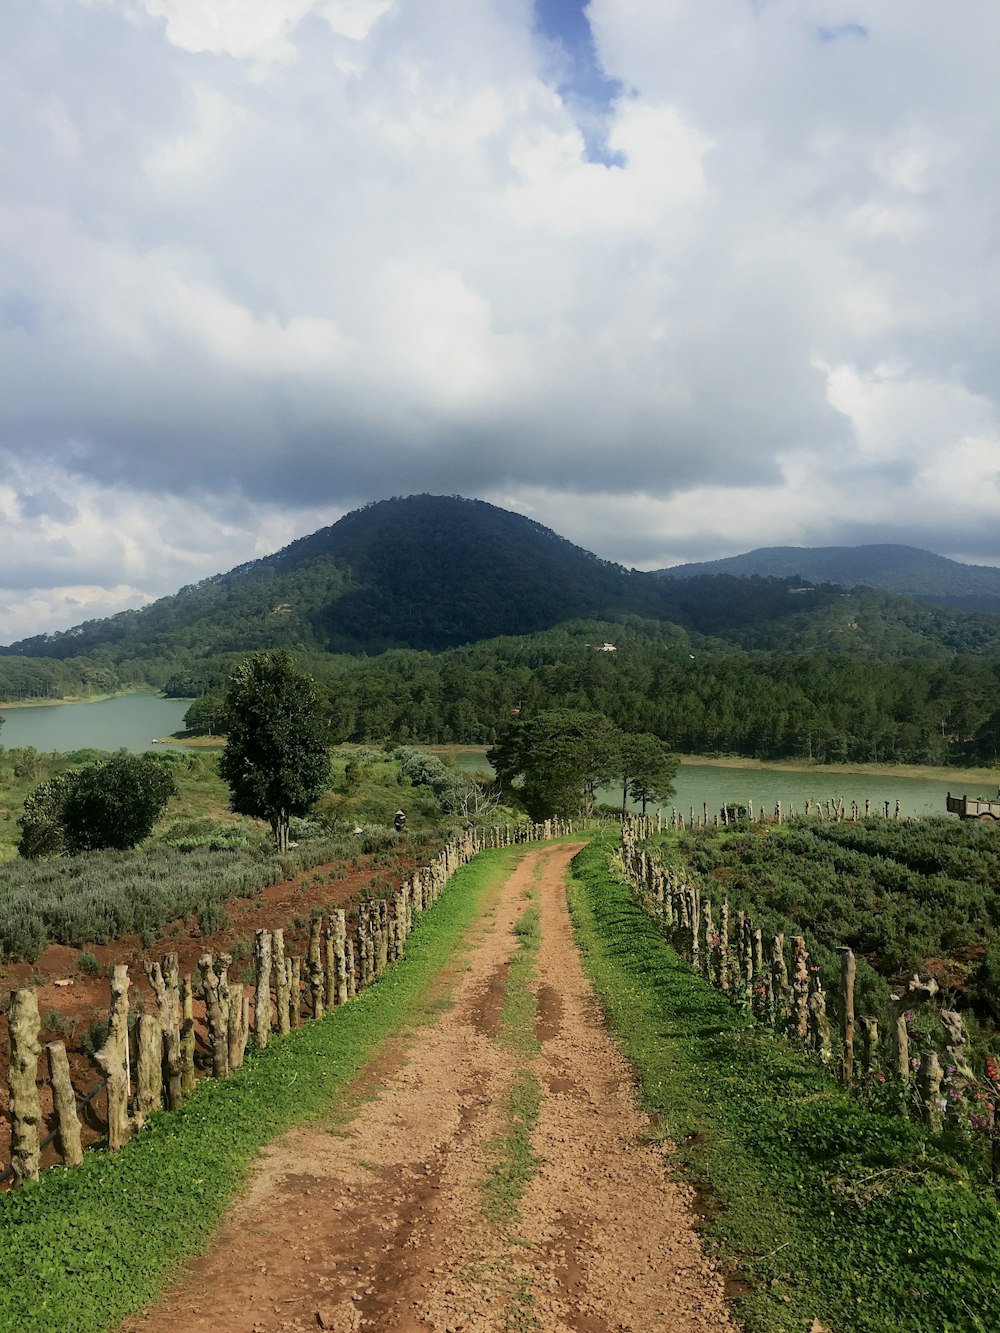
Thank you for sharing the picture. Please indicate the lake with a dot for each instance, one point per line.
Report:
(713, 785)
(130, 722)
(127, 722)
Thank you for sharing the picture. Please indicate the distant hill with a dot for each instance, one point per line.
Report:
(436, 572)
(905, 570)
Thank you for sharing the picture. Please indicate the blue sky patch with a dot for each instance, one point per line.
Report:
(579, 77)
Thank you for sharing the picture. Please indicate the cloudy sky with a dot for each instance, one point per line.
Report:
(677, 278)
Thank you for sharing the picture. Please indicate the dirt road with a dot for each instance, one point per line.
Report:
(384, 1222)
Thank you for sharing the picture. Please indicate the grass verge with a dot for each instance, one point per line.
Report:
(514, 1162)
(84, 1247)
(824, 1210)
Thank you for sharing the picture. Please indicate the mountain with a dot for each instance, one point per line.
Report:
(905, 570)
(435, 572)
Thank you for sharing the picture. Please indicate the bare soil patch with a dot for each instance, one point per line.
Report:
(378, 1223)
(70, 999)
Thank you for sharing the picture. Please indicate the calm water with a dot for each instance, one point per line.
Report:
(708, 784)
(127, 723)
(132, 720)
(699, 784)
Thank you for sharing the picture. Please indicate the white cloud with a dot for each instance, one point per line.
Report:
(309, 252)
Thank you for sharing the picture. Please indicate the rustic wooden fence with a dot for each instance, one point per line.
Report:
(834, 810)
(149, 1063)
(781, 989)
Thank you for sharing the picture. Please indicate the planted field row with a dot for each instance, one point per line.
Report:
(99, 896)
(915, 1051)
(898, 894)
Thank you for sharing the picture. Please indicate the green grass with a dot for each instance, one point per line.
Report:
(826, 1210)
(514, 1163)
(84, 1247)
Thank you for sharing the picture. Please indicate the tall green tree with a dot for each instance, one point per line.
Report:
(648, 770)
(277, 755)
(115, 803)
(554, 762)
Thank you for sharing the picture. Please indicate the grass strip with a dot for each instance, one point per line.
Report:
(515, 1163)
(82, 1248)
(828, 1211)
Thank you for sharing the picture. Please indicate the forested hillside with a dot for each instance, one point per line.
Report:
(699, 699)
(904, 570)
(435, 572)
(437, 618)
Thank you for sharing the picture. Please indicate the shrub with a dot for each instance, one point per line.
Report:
(87, 962)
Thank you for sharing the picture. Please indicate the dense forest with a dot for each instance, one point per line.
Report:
(701, 701)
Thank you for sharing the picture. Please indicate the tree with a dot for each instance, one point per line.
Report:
(556, 760)
(648, 769)
(277, 756)
(115, 803)
(206, 715)
(42, 830)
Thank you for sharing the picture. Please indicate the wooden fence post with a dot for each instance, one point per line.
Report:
(338, 924)
(848, 972)
(218, 1022)
(281, 981)
(64, 1104)
(352, 967)
(929, 1086)
(238, 1026)
(262, 1000)
(330, 996)
(316, 979)
(293, 969)
(819, 1024)
(722, 965)
(187, 1038)
(780, 989)
(148, 1069)
(113, 1058)
(25, 1111)
(163, 980)
(800, 987)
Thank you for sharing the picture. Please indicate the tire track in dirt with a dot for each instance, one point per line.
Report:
(378, 1224)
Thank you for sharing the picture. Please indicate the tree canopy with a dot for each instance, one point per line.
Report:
(115, 804)
(648, 770)
(277, 755)
(555, 761)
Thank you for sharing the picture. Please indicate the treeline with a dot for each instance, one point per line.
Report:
(25, 679)
(700, 701)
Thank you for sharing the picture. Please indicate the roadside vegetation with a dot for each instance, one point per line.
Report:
(818, 1207)
(201, 855)
(904, 895)
(155, 1201)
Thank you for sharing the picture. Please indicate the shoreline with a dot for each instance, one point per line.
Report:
(82, 698)
(979, 776)
(928, 772)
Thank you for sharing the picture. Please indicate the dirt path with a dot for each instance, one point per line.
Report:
(380, 1223)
